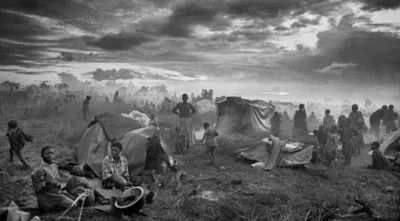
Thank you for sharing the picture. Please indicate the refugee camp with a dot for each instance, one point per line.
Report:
(199, 110)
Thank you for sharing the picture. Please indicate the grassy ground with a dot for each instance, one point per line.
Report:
(237, 192)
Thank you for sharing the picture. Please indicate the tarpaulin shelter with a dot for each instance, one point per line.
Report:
(134, 136)
(237, 115)
(390, 142)
(278, 154)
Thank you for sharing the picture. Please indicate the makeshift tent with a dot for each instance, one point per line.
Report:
(237, 115)
(390, 142)
(279, 153)
(96, 141)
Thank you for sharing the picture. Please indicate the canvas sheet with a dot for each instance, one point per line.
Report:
(94, 146)
(386, 146)
(116, 125)
(276, 156)
(244, 116)
(139, 116)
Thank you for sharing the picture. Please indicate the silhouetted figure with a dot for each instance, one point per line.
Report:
(329, 120)
(276, 124)
(390, 120)
(300, 123)
(185, 120)
(379, 161)
(116, 98)
(375, 120)
(357, 124)
(348, 141)
(85, 108)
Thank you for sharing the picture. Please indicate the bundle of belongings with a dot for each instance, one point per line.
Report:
(9, 211)
(271, 152)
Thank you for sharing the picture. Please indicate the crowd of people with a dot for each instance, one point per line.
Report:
(347, 132)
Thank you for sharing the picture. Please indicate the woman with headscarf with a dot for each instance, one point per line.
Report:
(357, 124)
(115, 171)
(47, 184)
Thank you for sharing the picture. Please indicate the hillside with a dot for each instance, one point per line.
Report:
(237, 192)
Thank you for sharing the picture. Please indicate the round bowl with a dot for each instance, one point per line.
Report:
(134, 206)
(315, 169)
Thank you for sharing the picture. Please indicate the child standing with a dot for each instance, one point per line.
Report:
(211, 143)
(17, 139)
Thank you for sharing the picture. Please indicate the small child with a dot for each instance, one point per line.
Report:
(17, 139)
(379, 161)
(210, 141)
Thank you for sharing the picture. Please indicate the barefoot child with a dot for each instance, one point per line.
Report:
(210, 141)
(17, 139)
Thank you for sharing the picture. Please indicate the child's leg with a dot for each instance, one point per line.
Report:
(208, 154)
(19, 155)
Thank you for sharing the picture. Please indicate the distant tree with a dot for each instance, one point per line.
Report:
(11, 85)
(62, 86)
(44, 85)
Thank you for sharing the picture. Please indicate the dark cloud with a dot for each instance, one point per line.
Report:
(298, 25)
(373, 53)
(252, 35)
(120, 41)
(375, 5)
(188, 14)
(261, 8)
(101, 75)
(281, 28)
(125, 74)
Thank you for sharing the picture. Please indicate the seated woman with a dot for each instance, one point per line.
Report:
(47, 185)
(115, 169)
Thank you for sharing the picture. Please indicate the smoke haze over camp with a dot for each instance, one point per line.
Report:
(267, 49)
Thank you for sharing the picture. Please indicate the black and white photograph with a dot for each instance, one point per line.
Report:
(200, 110)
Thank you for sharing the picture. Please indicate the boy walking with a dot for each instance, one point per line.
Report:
(211, 143)
(17, 139)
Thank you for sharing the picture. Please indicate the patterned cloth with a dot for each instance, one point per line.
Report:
(46, 185)
(186, 128)
(210, 135)
(112, 167)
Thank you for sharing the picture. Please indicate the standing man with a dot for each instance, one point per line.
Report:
(357, 124)
(375, 120)
(300, 123)
(390, 121)
(185, 121)
(85, 107)
(329, 120)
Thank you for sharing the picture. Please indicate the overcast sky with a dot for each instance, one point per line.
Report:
(270, 49)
